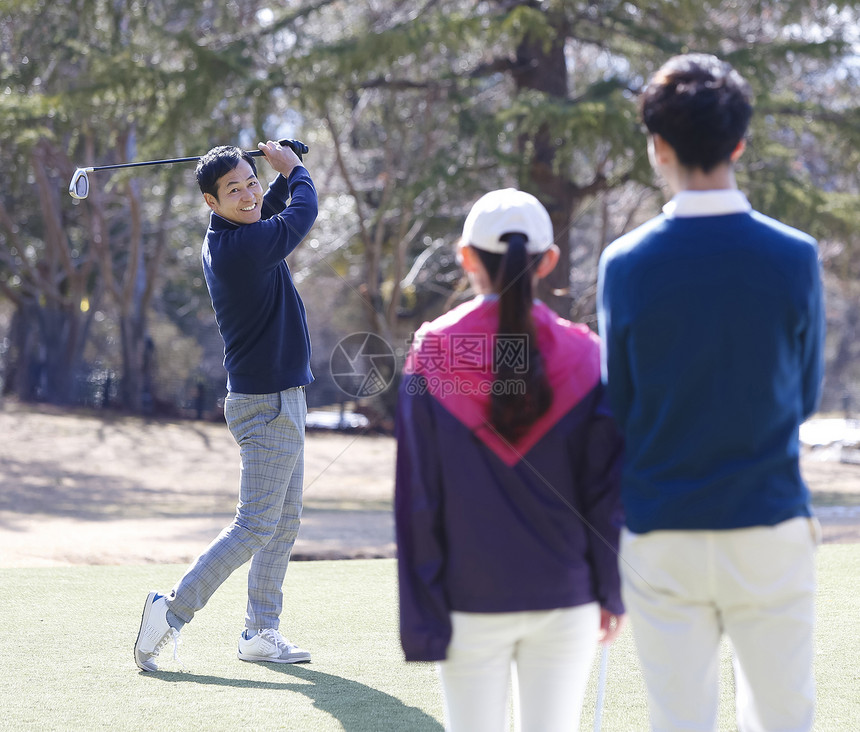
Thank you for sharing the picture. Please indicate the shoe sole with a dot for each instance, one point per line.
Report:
(144, 665)
(267, 659)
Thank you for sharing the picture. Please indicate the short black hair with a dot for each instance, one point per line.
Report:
(218, 162)
(701, 106)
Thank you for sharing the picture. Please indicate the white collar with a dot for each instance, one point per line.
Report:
(687, 204)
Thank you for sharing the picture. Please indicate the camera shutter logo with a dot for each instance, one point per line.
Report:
(362, 365)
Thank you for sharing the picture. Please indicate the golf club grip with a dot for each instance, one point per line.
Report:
(297, 146)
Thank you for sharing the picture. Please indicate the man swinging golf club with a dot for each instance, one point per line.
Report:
(267, 357)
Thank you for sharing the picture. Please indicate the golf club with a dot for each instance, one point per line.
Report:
(80, 186)
(601, 688)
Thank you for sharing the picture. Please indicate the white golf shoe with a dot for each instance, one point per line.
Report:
(155, 632)
(270, 645)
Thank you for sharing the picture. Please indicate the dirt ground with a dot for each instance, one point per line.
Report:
(100, 488)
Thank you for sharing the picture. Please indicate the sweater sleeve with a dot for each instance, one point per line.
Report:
(276, 197)
(614, 370)
(299, 216)
(425, 626)
(813, 343)
(283, 227)
(600, 477)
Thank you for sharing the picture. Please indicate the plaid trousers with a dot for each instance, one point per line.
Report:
(270, 432)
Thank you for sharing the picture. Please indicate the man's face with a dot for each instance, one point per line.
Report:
(240, 195)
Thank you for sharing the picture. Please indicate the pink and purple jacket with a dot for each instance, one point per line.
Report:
(484, 525)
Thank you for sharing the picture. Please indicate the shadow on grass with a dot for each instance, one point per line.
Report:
(356, 706)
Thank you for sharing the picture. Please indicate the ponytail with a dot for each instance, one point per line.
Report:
(521, 391)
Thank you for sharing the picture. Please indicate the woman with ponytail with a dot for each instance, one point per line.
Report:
(507, 487)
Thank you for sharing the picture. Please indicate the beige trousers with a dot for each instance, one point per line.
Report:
(685, 589)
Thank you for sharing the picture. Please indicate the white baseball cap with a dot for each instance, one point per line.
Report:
(508, 211)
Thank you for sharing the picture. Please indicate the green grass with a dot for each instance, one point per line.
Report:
(66, 656)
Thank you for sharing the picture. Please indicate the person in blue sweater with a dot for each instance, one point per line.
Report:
(507, 507)
(267, 357)
(712, 323)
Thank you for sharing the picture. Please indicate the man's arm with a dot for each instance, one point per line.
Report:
(813, 343)
(282, 228)
(284, 161)
(613, 365)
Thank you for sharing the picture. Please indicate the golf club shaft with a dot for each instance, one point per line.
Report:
(601, 688)
(138, 165)
(253, 153)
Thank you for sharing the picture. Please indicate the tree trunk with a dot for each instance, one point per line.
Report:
(132, 396)
(45, 353)
(61, 333)
(22, 362)
(542, 67)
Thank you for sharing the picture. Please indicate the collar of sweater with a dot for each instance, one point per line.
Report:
(219, 223)
(687, 204)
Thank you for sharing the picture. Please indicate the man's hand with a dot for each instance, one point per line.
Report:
(280, 157)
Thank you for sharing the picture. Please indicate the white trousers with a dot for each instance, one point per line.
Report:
(550, 654)
(684, 589)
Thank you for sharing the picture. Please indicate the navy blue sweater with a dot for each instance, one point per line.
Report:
(261, 317)
(713, 331)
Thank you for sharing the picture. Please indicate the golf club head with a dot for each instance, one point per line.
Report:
(80, 186)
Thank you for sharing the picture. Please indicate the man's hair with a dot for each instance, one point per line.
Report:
(218, 162)
(701, 106)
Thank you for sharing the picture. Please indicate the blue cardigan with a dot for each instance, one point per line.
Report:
(713, 330)
(486, 526)
(261, 317)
